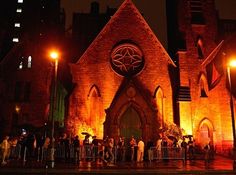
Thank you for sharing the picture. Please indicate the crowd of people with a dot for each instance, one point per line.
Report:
(89, 148)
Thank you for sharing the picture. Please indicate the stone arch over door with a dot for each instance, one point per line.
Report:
(205, 132)
(113, 127)
(130, 100)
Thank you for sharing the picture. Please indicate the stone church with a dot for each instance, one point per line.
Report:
(128, 85)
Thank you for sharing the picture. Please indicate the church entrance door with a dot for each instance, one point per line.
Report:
(130, 124)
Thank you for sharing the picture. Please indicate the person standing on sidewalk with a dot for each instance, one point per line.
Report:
(191, 149)
(132, 145)
(140, 151)
(207, 149)
(76, 143)
(184, 148)
(158, 148)
(95, 149)
(110, 151)
(150, 150)
(121, 149)
(5, 148)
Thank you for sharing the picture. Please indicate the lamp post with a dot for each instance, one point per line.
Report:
(232, 64)
(54, 56)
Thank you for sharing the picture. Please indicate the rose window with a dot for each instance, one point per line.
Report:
(127, 59)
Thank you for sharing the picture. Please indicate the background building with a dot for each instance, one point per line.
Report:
(86, 26)
(29, 30)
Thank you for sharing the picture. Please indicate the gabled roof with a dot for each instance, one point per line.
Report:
(127, 6)
(212, 55)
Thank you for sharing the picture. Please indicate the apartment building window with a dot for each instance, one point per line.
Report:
(25, 62)
(18, 10)
(29, 62)
(15, 40)
(17, 24)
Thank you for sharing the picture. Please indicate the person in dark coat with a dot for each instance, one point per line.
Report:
(76, 143)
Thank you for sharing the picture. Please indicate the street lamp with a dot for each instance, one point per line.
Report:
(54, 55)
(232, 64)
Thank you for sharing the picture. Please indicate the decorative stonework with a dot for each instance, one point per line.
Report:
(131, 92)
(127, 59)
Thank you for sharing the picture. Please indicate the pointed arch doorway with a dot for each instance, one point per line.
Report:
(206, 132)
(130, 124)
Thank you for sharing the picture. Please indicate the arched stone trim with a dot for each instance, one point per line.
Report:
(209, 124)
(92, 89)
(206, 121)
(158, 90)
(160, 105)
(125, 107)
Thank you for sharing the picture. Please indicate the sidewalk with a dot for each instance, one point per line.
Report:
(220, 165)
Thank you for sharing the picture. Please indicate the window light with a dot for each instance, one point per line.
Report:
(20, 1)
(15, 40)
(18, 10)
(29, 62)
(17, 24)
(21, 65)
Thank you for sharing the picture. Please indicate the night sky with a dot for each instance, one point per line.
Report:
(153, 11)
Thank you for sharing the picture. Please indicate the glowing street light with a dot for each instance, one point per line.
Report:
(54, 55)
(232, 64)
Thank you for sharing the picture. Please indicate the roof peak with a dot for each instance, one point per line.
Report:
(126, 10)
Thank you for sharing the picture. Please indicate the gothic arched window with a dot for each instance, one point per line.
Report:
(203, 86)
(160, 105)
(94, 107)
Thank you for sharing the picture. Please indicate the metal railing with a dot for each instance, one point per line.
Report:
(167, 153)
(85, 152)
(91, 153)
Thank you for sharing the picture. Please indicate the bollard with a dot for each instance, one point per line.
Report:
(38, 154)
(19, 153)
(52, 157)
(76, 158)
(115, 154)
(42, 154)
(24, 157)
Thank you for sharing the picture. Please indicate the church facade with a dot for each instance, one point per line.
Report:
(128, 85)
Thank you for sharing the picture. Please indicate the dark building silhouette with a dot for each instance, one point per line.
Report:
(36, 19)
(86, 26)
(7, 11)
(30, 28)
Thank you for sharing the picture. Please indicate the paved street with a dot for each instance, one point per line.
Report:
(220, 165)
